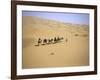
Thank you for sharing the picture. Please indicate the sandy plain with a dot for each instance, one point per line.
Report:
(72, 51)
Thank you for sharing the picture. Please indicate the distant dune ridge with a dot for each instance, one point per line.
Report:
(72, 51)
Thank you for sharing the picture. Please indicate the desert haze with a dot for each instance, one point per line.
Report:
(72, 48)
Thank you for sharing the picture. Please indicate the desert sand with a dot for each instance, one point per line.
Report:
(72, 51)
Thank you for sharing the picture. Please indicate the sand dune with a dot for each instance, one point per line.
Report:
(72, 51)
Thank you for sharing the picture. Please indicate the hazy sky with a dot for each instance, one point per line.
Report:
(76, 18)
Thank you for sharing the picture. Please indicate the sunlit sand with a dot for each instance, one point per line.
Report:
(73, 50)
